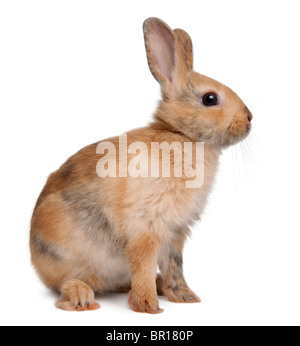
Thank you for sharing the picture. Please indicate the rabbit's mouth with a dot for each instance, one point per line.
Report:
(233, 134)
(248, 129)
(237, 132)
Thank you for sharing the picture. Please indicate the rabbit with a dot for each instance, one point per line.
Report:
(92, 234)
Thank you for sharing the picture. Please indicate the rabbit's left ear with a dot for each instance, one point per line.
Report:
(185, 46)
(169, 52)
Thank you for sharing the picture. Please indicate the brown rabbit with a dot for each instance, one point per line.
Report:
(99, 234)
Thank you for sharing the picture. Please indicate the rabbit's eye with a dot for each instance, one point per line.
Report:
(210, 99)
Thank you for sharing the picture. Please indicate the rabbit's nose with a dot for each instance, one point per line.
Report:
(249, 114)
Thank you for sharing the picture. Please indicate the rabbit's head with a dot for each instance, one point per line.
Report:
(193, 104)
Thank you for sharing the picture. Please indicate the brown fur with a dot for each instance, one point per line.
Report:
(91, 234)
(77, 296)
(142, 257)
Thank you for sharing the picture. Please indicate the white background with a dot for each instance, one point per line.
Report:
(75, 72)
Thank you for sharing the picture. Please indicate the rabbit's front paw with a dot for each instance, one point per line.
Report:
(146, 302)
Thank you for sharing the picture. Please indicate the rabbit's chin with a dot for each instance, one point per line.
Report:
(234, 139)
(227, 139)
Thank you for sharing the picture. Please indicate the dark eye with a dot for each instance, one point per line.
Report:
(210, 99)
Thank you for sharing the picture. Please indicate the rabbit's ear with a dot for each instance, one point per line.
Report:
(161, 49)
(186, 47)
(164, 52)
